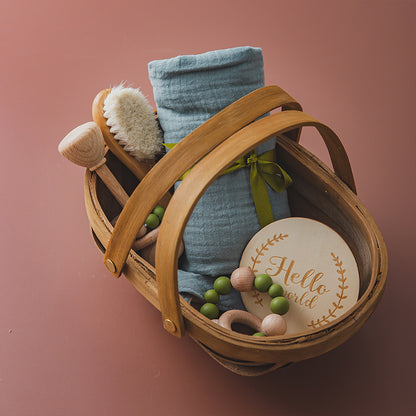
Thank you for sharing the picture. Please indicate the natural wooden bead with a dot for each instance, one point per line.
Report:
(273, 324)
(242, 279)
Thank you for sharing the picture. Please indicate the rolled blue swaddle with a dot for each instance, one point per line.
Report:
(188, 90)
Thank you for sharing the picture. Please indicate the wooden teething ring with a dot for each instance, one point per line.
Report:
(241, 317)
(272, 324)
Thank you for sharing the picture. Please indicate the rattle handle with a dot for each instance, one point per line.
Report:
(112, 184)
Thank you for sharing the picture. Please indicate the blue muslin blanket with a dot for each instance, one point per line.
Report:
(188, 90)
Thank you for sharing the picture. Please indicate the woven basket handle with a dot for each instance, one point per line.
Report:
(202, 175)
(181, 158)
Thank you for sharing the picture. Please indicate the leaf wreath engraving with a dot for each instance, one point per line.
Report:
(265, 247)
(260, 252)
(340, 295)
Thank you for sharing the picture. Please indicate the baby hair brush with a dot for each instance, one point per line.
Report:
(129, 128)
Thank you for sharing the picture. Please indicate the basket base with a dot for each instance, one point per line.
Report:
(242, 368)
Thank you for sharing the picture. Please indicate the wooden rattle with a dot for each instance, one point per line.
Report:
(243, 279)
(85, 147)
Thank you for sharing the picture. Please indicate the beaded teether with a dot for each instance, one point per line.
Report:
(243, 279)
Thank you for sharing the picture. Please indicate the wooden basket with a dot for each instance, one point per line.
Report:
(317, 193)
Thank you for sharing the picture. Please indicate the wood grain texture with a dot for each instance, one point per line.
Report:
(242, 317)
(85, 147)
(312, 263)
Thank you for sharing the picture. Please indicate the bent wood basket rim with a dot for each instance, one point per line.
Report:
(241, 353)
(317, 193)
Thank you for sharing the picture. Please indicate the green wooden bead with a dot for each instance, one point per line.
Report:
(211, 296)
(152, 221)
(259, 334)
(262, 282)
(279, 305)
(210, 310)
(159, 211)
(222, 285)
(275, 290)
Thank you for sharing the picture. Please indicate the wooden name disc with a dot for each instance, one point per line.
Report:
(312, 263)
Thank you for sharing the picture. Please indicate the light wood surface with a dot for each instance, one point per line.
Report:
(242, 317)
(314, 266)
(140, 234)
(242, 279)
(147, 239)
(273, 324)
(85, 147)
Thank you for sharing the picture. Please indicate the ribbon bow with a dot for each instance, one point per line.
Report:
(263, 170)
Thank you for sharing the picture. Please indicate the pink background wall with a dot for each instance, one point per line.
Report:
(75, 341)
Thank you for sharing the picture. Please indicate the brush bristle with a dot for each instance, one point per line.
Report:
(132, 122)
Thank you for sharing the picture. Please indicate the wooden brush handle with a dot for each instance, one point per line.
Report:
(139, 169)
(199, 179)
(181, 158)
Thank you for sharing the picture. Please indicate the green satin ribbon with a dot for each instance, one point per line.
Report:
(263, 171)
